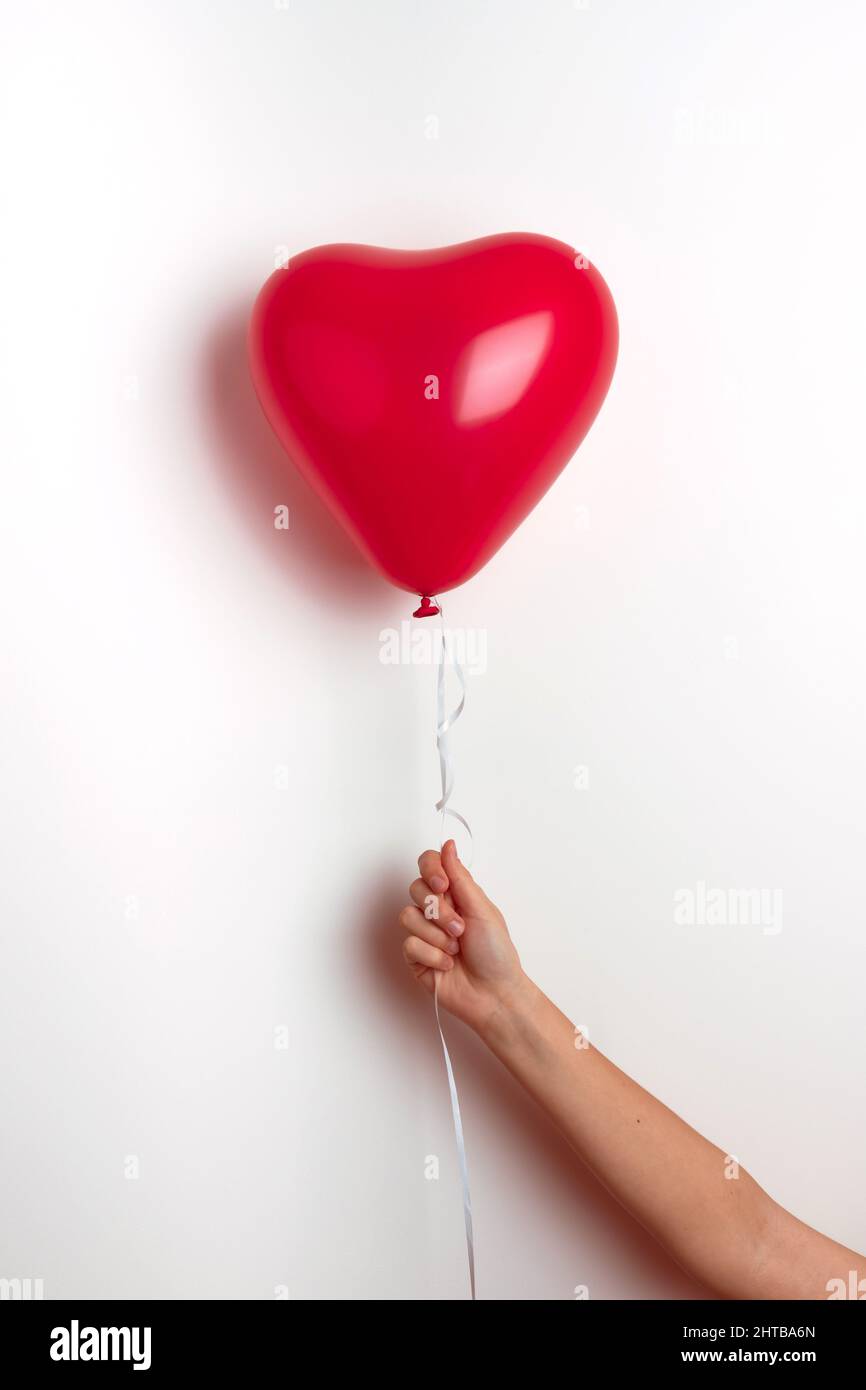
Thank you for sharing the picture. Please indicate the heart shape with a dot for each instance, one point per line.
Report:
(432, 397)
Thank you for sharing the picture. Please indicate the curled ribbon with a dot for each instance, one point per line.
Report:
(444, 724)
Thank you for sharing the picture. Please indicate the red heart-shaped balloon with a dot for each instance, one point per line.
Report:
(431, 397)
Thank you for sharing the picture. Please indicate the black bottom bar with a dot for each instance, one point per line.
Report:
(224, 1338)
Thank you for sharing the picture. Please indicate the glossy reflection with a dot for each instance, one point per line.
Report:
(497, 369)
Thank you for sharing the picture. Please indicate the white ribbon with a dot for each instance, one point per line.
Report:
(461, 1143)
(444, 724)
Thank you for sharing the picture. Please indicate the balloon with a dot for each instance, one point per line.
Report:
(432, 397)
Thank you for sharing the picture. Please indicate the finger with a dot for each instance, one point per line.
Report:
(464, 890)
(413, 921)
(430, 864)
(436, 908)
(418, 952)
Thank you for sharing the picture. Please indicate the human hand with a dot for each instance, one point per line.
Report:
(454, 930)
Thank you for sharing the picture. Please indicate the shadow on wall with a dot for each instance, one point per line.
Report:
(552, 1174)
(317, 557)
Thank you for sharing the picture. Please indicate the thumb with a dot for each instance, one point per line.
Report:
(467, 895)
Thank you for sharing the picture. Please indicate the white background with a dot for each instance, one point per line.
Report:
(213, 791)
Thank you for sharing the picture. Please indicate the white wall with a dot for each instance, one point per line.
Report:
(169, 658)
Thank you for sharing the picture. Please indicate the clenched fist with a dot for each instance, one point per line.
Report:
(454, 929)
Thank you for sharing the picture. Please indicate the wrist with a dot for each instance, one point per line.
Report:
(512, 1016)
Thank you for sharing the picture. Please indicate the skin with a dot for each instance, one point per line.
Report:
(727, 1233)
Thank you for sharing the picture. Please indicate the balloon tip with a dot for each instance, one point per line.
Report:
(428, 608)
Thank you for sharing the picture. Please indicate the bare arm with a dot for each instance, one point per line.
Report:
(724, 1230)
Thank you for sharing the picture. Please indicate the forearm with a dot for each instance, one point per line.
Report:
(720, 1228)
(708, 1213)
